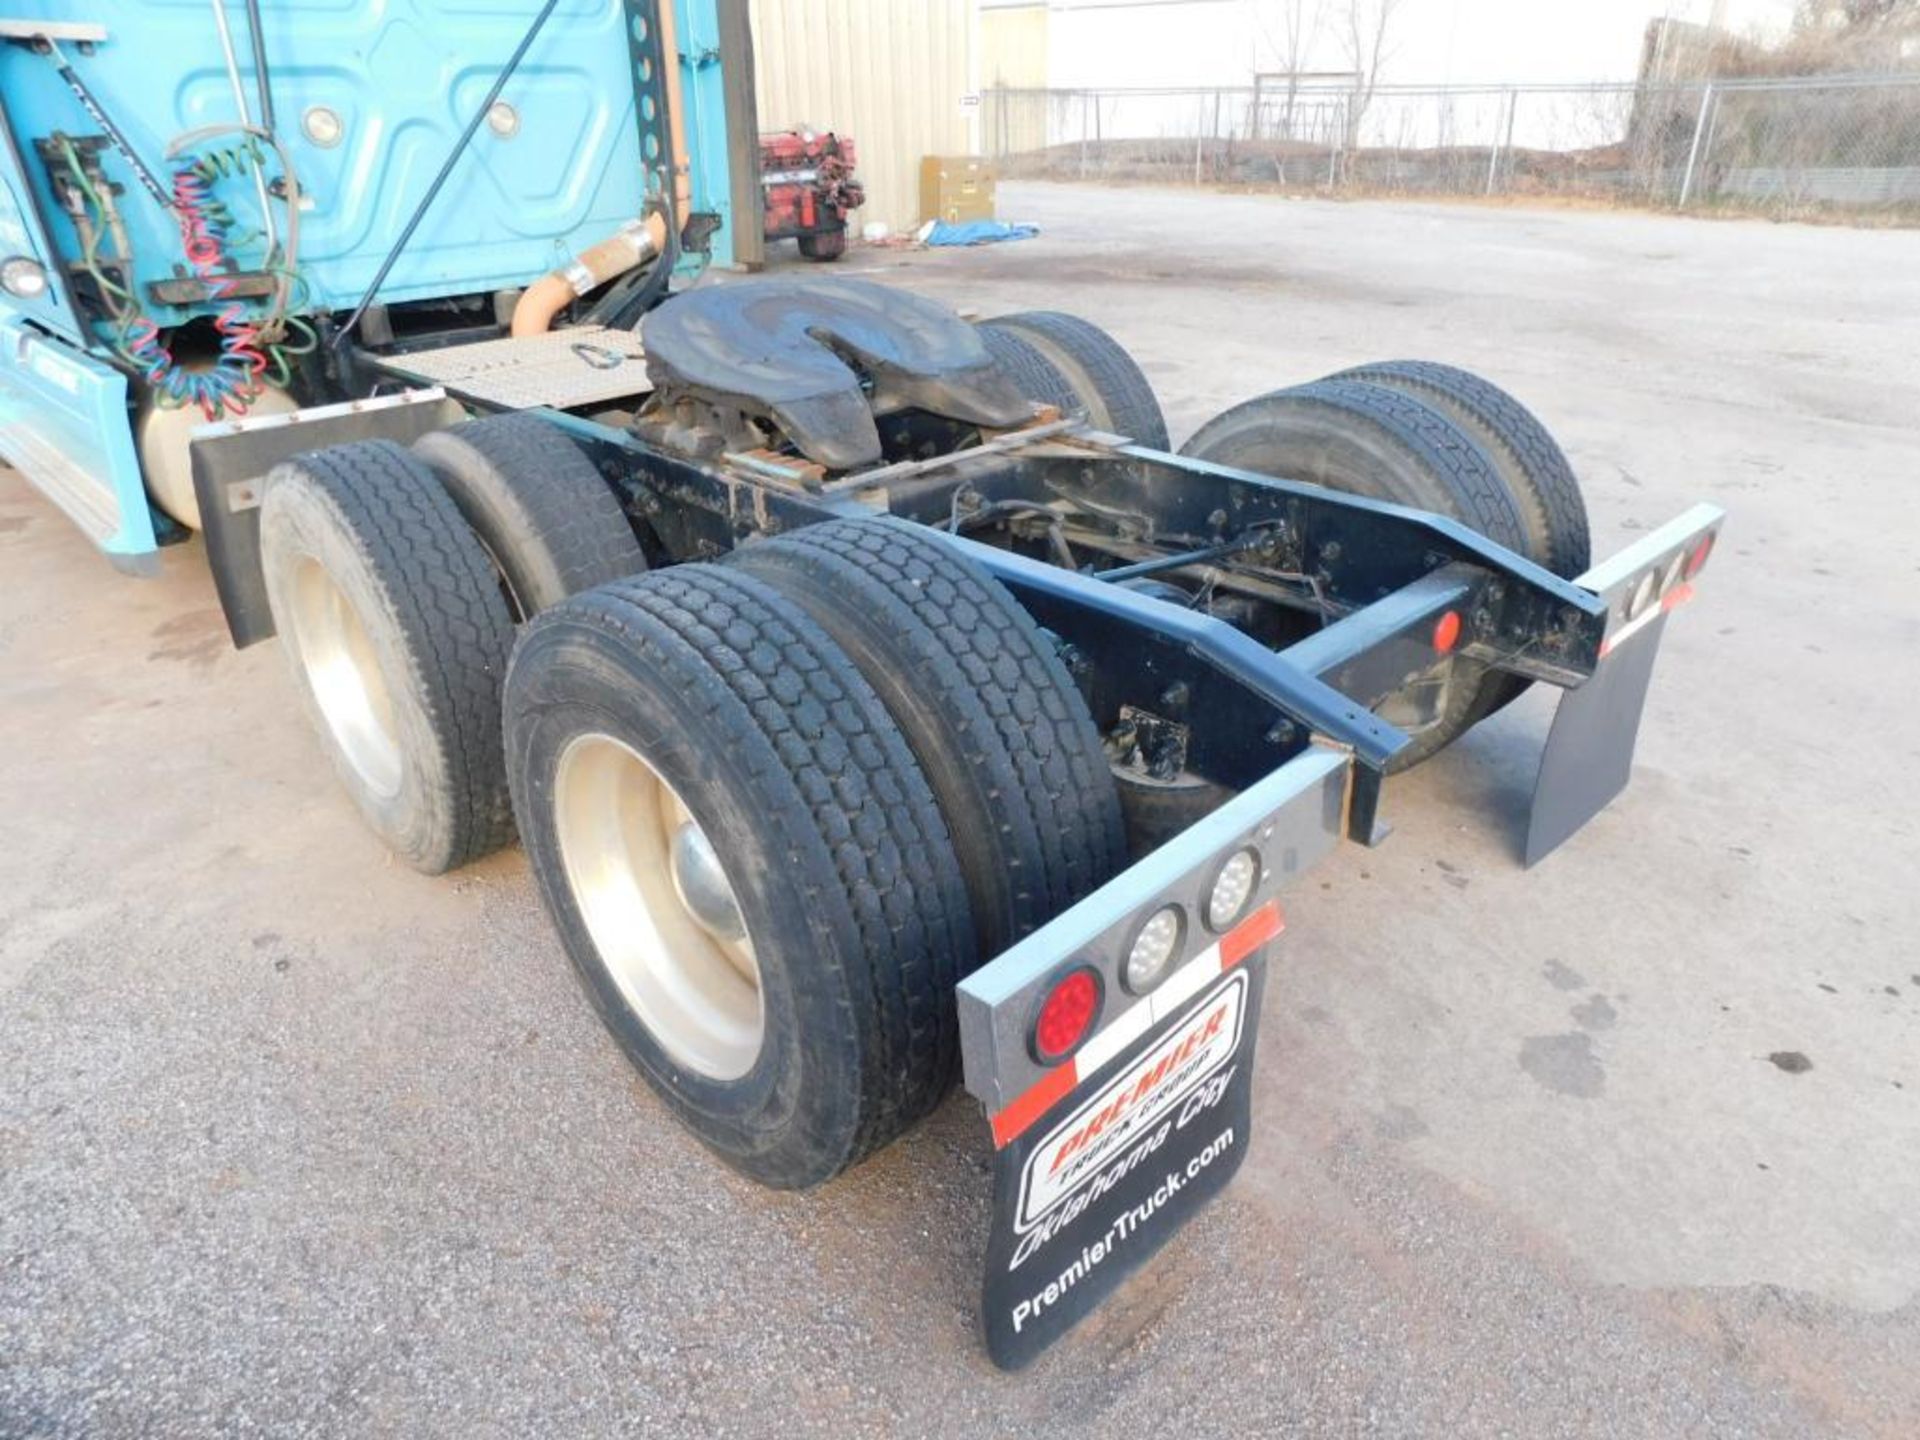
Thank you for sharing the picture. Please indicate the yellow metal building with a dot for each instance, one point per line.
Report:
(1013, 75)
(897, 75)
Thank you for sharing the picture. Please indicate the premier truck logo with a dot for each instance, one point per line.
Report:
(1076, 1151)
(1102, 1179)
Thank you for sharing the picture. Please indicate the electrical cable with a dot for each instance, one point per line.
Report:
(232, 58)
(253, 354)
(287, 263)
(238, 377)
(64, 67)
(114, 292)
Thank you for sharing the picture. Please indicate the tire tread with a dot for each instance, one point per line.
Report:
(1095, 368)
(538, 501)
(778, 692)
(1558, 533)
(455, 629)
(1035, 771)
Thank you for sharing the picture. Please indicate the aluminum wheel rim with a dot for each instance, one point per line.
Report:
(343, 671)
(659, 908)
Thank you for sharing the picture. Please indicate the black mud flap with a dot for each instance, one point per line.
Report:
(230, 460)
(1097, 1184)
(1589, 754)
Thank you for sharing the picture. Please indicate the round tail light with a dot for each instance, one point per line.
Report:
(1674, 576)
(1697, 561)
(1066, 1017)
(1156, 945)
(1644, 591)
(1232, 889)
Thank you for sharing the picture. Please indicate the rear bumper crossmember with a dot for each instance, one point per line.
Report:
(1321, 687)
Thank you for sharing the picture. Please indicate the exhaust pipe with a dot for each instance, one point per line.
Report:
(634, 243)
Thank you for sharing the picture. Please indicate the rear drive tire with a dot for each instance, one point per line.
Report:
(390, 613)
(998, 726)
(1093, 368)
(1372, 441)
(1528, 458)
(537, 503)
(700, 697)
(1030, 371)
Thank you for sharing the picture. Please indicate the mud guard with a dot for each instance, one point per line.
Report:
(231, 458)
(1589, 755)
(1108, 1175)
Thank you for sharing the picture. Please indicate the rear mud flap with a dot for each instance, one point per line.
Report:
(1589, 754)
(1110, 1173)
(231, 459)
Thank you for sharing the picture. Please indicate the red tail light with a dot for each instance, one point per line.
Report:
(1067, 1015)
(1697, 561)
(1446, 632)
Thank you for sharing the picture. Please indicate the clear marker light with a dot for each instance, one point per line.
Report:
(23, 278)
(1643, 595)
(1232, 888)
(322, 126)
(1155, 948)
(1675, 574)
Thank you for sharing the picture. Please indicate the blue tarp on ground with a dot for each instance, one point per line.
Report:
(978, 232)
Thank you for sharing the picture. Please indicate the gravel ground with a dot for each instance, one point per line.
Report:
(293, 1141)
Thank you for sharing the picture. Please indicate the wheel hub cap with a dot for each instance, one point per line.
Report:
(702, 884)
(343, 671)
(658, 906)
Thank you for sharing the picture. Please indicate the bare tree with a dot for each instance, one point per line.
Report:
(1300, 26)
(1366, 36)
(1302, 21)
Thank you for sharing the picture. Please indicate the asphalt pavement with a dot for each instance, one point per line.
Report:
(296, 1142)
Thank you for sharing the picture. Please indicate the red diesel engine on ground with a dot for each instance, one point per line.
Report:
(808, 183)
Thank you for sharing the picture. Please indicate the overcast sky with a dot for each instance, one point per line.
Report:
(1200, 42)
(1547, 40)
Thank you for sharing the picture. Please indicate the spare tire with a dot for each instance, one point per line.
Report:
(984, 701)
(1368, 440)
(1093, 369)
(550, 523)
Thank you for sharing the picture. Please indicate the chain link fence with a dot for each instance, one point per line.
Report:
(1836, 147)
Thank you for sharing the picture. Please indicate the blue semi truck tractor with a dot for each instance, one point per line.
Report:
(879, 699)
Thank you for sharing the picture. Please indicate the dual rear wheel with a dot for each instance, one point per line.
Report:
(1422, 434)
(1436, 438)
(396, 578)
(779, 807)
